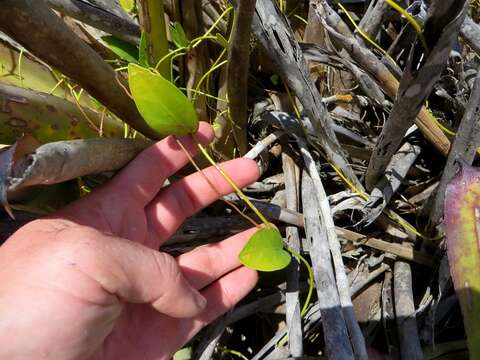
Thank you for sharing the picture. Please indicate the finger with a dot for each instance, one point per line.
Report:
(223, 295)
(206, 264)
(187, 196)
(144, 176)
(136, 274)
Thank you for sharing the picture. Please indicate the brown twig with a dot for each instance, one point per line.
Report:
(238, 65)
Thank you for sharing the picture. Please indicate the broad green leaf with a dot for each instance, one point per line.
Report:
(163, 106)
(462, 225)
(127, 5)
(264, 251)
(143, 50)
(179, 37)
(122, 49)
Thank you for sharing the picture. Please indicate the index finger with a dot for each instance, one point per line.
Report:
(189, 195)
(145, 175)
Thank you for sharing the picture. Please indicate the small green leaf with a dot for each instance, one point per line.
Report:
(179, 37)
(163, 106)
(220, 39)
(143, 50)
(122, 49)
(264, 251)
(127, 5)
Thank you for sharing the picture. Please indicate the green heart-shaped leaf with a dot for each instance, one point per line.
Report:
(264, 251)
(163, 106)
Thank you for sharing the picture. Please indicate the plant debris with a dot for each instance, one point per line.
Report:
(357, 113)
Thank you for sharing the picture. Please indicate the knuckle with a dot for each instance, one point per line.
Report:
(228, 298)
(212, 260)
(166, 265)
(79, 243)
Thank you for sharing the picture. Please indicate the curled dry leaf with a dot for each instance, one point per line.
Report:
(27, 163)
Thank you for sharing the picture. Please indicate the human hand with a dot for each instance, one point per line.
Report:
(88, 282)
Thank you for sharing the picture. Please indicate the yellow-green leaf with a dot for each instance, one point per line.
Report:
(163, 106)
(178, 35)
(264, 251)
(143, 50)
(122, 49)
(127, 5)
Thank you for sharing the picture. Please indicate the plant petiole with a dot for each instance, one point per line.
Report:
(195, 165)
(310, 278)
(232, 184)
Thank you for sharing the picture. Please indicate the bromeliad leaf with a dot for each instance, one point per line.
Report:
(264, 251)
(462, 225)
(163, 106)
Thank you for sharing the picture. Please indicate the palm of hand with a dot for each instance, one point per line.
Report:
(88, 308)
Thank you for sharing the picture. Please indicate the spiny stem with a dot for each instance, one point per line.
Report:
(233, 185)
(195, 165)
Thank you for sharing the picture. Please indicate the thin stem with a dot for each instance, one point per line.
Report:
(301, 19)
(311, 285)
(82, 111)
(233, 185)
(207, 86)
(165, 57)
(20, 58)
(197, 41)
(59, 82)
(311, 280)
(412, 21)
(123, 86)
(365, 35)
(204, 94)
(195, 165)
(202, 79)
(214, 25)
(235, 353)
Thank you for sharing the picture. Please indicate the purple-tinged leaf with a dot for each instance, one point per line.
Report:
(462, 223)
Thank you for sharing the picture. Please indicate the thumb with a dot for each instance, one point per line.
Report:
(138, 274)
